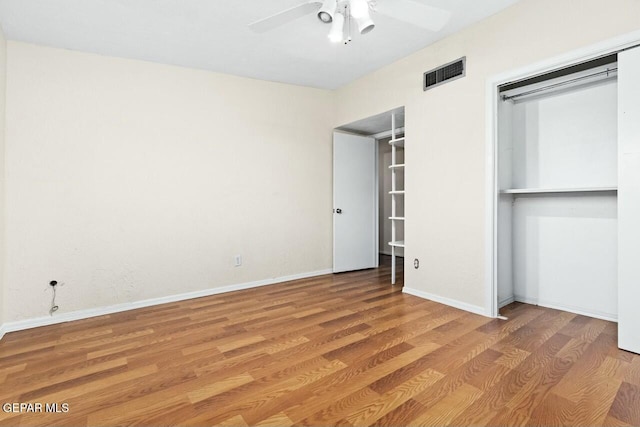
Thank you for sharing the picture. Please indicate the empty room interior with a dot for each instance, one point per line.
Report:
(319, 213)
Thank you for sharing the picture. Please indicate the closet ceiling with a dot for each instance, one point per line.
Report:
(375, 124)
(213, 35)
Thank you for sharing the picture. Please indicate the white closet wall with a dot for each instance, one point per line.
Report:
(566, 139)
(566, 253)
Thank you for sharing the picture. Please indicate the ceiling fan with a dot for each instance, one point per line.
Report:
(339, 13)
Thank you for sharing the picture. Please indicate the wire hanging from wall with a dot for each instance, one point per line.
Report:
(54, 307)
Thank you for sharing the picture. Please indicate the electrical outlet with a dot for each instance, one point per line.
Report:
(238, 260)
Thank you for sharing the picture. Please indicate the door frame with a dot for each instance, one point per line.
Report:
(377, 202)
(573, 57)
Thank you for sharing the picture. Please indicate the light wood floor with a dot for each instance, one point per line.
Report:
(344, 349)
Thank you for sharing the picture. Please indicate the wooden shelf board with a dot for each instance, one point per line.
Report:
(396, 218)
(398, 244)
(396, 166)
(397, 192)
(557, 190)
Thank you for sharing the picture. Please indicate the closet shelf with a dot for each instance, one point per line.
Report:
(557, 190)
(398, 142)
(395, 143)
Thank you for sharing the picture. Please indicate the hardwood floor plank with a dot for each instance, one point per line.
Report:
(97, 386)
(574, 384)
(334, 412)
(402, 415)
(348, 381)
(511, 356)
(554, 410)
(260, 399)
(218, 387)
(442, 411)
(633, 373)
(137, 411)
(24, 385)
(4, 372)
(306, 351)
(626, 406)
(496, 398)
(456, 379)
(536, 389)
(277, 420)
(395, 397)
(236, 421)
(510, 417)
(614, 422)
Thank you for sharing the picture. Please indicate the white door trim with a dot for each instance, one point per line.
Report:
(603, 48)
(376, 204)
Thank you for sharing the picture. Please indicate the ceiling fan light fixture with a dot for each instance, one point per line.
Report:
(365, 24)
(327, 11)
(360, 12)
(359, 8)
(337, 28)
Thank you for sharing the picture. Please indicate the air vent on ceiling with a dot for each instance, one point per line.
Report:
(445, 73)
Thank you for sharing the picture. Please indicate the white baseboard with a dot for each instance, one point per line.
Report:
(101, 311)
(571, 309)
(506, 301)
(446, 301)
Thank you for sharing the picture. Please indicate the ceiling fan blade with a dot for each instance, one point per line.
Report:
(284, 17)
(416, 13)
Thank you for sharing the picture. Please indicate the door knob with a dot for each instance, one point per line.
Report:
(338, 211)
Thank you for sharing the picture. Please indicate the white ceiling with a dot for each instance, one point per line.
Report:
(213, 35)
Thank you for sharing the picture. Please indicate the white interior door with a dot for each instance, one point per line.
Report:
(354, 202)
(629, 200)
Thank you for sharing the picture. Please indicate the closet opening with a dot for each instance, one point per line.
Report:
(557, 176)
(385, 135)
(563, 200)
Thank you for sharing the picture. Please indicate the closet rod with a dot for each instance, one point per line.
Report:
(557, 85)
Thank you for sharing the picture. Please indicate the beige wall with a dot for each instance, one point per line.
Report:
(445, 148)
(3, 99)
(128, 180)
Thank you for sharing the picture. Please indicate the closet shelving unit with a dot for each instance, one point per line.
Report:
(396, 221)
(557, 188)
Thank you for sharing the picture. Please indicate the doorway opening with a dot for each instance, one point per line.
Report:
(385, 135)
